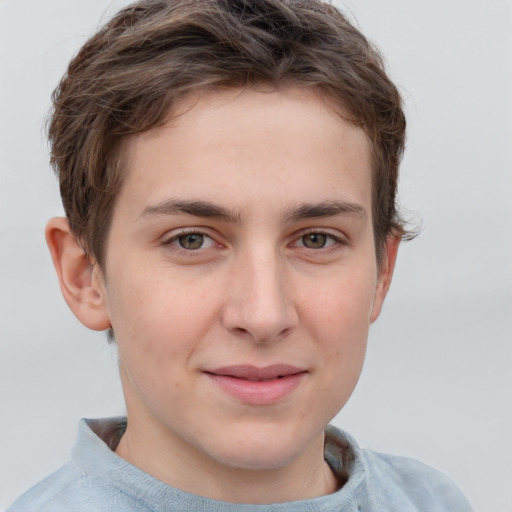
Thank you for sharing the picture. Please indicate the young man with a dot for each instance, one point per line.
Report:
(228, 170)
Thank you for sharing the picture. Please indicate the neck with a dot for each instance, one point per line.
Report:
(182, 466)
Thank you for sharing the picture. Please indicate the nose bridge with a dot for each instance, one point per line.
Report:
(260, 303)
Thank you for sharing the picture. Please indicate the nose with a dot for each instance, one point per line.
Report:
(260, 300)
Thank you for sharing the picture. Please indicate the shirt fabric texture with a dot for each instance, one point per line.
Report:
(96, 479)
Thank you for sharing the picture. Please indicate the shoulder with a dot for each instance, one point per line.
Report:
(413, 481)
(71, 489)
(62, 490)
(95, 479)
(382, 483)
(79, 485)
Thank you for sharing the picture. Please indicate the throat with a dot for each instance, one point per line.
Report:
(274, 486)
(210, 479)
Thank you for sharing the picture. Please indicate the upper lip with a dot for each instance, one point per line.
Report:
(249, 372)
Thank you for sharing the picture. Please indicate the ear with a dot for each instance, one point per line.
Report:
(81, 281)
(386, 268)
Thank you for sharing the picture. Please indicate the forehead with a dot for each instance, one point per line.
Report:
(285, 144)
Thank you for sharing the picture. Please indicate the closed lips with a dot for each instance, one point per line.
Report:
(253, 373)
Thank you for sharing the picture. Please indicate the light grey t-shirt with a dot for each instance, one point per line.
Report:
(97, 480)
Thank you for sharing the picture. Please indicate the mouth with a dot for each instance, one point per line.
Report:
(276, 371)
(257, 386)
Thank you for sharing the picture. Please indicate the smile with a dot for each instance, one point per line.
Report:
(257, 386)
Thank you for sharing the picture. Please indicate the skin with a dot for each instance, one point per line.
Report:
(279, 268)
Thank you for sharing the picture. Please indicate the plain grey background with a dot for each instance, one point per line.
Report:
(438, 380)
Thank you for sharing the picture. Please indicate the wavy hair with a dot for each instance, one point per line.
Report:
(128, 77)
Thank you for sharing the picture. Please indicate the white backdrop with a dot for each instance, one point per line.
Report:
(438, 379)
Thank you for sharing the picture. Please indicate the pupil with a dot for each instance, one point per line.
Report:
(191, 241)
(314, 240)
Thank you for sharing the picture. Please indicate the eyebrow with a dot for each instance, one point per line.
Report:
(326, 209)
(196, 208)
(207, 209)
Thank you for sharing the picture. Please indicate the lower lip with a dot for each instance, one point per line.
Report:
(258, 392)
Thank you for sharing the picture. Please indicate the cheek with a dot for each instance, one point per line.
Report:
(157, 316)
(338, 319)
(343, 304)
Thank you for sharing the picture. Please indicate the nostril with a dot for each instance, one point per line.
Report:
(240, 331)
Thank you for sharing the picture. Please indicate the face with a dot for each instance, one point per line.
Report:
(241, 277)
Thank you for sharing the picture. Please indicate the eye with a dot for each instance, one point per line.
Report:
(192, 241)
(316, 240)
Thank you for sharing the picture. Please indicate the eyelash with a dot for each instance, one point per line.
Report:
(187, 232)
(336, 241)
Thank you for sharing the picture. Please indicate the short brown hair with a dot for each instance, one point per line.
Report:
(127, 78)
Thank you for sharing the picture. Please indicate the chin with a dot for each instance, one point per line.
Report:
(258, 450)
(256, 459)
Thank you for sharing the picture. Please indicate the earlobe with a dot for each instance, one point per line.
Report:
(387, 266)
(80, 280)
